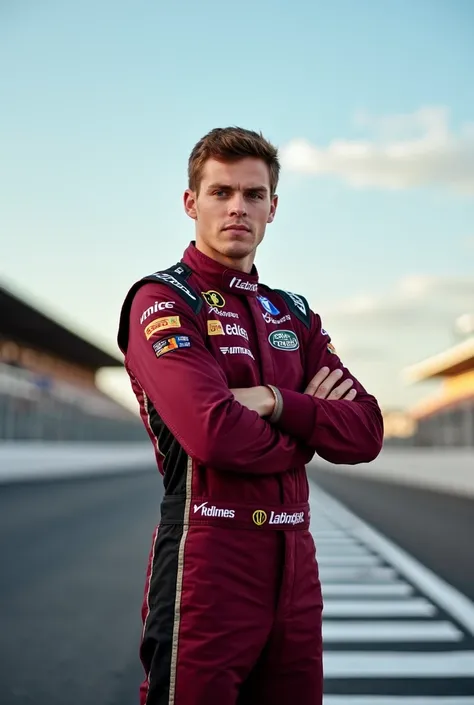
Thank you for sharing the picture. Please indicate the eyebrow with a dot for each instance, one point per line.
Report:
(228, 187)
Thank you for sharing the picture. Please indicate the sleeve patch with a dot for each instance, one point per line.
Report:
(161, 347)
(332, 349)
(162, 324)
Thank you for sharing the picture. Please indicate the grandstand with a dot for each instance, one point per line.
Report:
(446, 418)
(48, 386)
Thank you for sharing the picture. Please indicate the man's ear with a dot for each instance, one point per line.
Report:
(189, 200)
(273, 208)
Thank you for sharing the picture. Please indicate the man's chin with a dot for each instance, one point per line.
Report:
(240, 246)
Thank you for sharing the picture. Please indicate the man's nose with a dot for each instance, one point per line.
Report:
(237, 205)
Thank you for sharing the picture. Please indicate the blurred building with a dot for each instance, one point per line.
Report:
(447, 417)
(47, 382)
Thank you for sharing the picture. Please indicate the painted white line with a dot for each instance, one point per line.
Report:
(346, 546)
(345, 543)
(388, 631)
(375, 664)
(454, 602)
(379, 608)
(329, 534)
(344, 560)
(354, 574)
(396, 700)
(366, 590)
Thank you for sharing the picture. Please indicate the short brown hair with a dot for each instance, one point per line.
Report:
(232, 144)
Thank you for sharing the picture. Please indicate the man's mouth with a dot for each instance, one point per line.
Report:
(237, 226)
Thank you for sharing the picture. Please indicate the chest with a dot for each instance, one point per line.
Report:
(254, 346)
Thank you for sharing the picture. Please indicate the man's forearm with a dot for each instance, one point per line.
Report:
(340, 431)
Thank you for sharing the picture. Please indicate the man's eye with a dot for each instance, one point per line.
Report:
(255, 195)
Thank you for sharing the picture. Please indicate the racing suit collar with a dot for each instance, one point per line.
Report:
(220, 276)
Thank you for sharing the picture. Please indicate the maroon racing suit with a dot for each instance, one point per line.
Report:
(233, 605)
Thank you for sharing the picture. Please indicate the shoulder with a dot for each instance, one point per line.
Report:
(163, 293)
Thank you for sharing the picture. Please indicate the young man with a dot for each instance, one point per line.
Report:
(238, 386)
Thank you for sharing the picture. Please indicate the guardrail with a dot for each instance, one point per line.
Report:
(47, 460)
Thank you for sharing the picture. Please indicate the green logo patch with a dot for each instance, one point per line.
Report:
(284, 340)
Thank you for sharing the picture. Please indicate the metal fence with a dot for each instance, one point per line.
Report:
(37, 408)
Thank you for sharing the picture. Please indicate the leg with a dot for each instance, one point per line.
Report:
(212, 601)
(291, 667)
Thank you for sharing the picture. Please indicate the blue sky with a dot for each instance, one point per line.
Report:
(101, 102)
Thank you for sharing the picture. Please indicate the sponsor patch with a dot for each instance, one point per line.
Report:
(213, 298)
(284, 340)
(164, 276)
(157, 306)
(259, 517)
(161, 347)
(235, 350)
(224, 314)
(268, 306)
(162, 324)
(298, 301)
(235, 329)
(206, 511)
(276, 321)
(242, 284)
(215, 328)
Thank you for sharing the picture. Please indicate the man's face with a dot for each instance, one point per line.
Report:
(232, 208)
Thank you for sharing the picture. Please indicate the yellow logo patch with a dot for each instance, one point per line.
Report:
(259, 517)
(213, 298)
(162, 324)
(215, 328)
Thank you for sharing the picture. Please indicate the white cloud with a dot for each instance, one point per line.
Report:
(377, 337)
(404, 151)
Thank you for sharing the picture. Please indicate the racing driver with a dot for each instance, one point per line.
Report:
(239, 386)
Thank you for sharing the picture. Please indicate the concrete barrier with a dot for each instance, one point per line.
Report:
(445, 470)
(20, 461)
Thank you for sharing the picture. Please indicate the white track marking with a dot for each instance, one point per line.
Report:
(342, 559)
(395, 589)
(417, 607)
(361, 574)
(348, 664)
(444, 595)
(396, 700)
(369, 588)
(380, 631)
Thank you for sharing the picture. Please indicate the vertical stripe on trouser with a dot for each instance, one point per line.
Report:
(179, 584)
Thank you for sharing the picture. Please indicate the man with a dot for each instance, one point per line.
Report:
(238, 386)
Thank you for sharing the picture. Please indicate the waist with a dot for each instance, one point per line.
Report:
(234, 515)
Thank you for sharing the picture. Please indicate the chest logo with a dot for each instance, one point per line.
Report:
(268, 306)
(213, 298)
(284, 340)
(259, 517)
(215, 328)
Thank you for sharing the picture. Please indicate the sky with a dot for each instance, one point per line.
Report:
(371, 105)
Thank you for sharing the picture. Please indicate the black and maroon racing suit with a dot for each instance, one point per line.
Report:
(232, 608)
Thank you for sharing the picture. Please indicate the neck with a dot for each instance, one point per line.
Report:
(243, 264)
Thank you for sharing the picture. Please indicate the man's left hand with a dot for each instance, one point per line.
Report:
(259, 399)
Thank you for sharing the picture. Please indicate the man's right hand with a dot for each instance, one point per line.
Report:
(322, 385)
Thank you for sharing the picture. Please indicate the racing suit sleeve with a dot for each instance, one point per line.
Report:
(189, 391)
(340, 431)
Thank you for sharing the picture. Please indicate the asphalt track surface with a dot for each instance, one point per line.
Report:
(73, 556)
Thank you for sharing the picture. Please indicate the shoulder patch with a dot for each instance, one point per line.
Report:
(297, 305)
(176, 277)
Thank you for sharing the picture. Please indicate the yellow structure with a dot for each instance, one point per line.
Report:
(446, 418)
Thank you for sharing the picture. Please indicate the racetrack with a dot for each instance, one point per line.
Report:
(73, 556)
